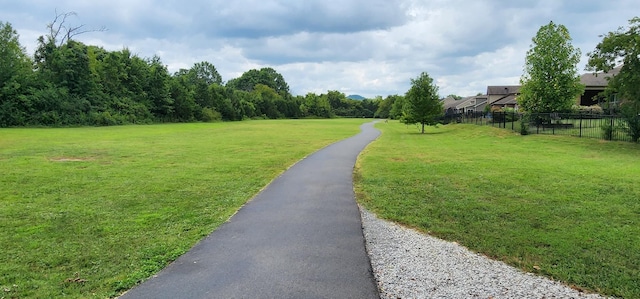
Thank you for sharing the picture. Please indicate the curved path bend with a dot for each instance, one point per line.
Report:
(301, 237)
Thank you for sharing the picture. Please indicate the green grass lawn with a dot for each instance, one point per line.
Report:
(564, 207)
(90, 212)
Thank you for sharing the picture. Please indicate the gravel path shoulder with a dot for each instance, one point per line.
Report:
(409, 264)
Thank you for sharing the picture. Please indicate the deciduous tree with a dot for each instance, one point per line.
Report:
(15, 68)
(550, 82)
(385, 106)
(397, 107)
(622, 47)
(423, 105)
(266, 76)
(206, 72)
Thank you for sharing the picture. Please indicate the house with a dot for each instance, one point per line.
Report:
(472, 104)
(508, 101)
(495, 93)
(595, 83)
(506, 96)
(503, 96)
(449, 105)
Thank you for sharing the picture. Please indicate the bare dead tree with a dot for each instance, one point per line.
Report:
(59, 28)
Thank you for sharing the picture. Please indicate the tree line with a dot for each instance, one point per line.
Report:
(69, 83)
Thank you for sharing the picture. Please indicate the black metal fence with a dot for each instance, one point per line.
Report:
(607, 127)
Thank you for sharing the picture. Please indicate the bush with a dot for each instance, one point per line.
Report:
(210, 115)
(607, 132)
(505, 114)
(512, 114)
(593, 109)
(524, 125)
(633, 128)
(631, 114)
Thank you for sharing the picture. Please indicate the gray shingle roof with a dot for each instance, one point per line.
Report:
(505, 89)
(473, 101)
(598, 79)
(450, 102)
(507, 100)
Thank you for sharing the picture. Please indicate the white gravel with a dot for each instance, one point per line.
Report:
(409, 264)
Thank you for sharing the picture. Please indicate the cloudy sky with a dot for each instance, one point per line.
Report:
(366, 47)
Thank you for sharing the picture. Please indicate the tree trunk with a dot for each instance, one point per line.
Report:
(422, 128)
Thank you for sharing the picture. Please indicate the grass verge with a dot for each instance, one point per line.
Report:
(564, 207)
(92, 211)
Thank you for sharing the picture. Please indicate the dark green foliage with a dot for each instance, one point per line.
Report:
(385, 107)
(265, 76)
(69, 83)
(622, 47)
(632, 117)
(264, 99)
(607, 132)
(15, 72)
(206, 73)
(315, 106)
(524, 125)
(210, 115)
(396, 107)
(184, 105)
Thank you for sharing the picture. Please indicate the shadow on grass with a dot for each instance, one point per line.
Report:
(430, 131)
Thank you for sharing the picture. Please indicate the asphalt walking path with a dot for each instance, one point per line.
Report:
(301, 237)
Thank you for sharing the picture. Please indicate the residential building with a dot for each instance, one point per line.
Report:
(595, 83)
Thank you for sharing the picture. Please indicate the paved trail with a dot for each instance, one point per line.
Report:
(301, 237)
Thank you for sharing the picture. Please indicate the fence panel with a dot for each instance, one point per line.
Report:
(607, 127)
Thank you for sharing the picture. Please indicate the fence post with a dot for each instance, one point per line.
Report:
(513, 120)
(580, 124)
(612, 129)
(504, 120)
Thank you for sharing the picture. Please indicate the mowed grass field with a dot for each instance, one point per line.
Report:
(564, 207)
(90, 212)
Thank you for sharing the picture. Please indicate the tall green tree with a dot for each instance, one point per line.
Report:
(384, 108)
(265, 76)
(14, 60)
(316, 105)
(622, 47)
(370, 106)
(158, 90)
(396, 107)
(15, 73)
(550, 82)
(423, 105)
(185, 108)
(206, 72)
(265, 99)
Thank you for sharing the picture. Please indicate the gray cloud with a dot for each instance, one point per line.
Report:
(356, 46)
(257, 19)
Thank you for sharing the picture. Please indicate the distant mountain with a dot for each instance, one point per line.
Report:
(356, 97)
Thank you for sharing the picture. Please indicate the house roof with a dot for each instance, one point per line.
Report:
(450, 102)
(506, 100)
(503, 90)
(599, 79)
(473, 101)
(481, 106)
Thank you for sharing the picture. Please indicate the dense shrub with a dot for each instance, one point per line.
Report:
(593, 109)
